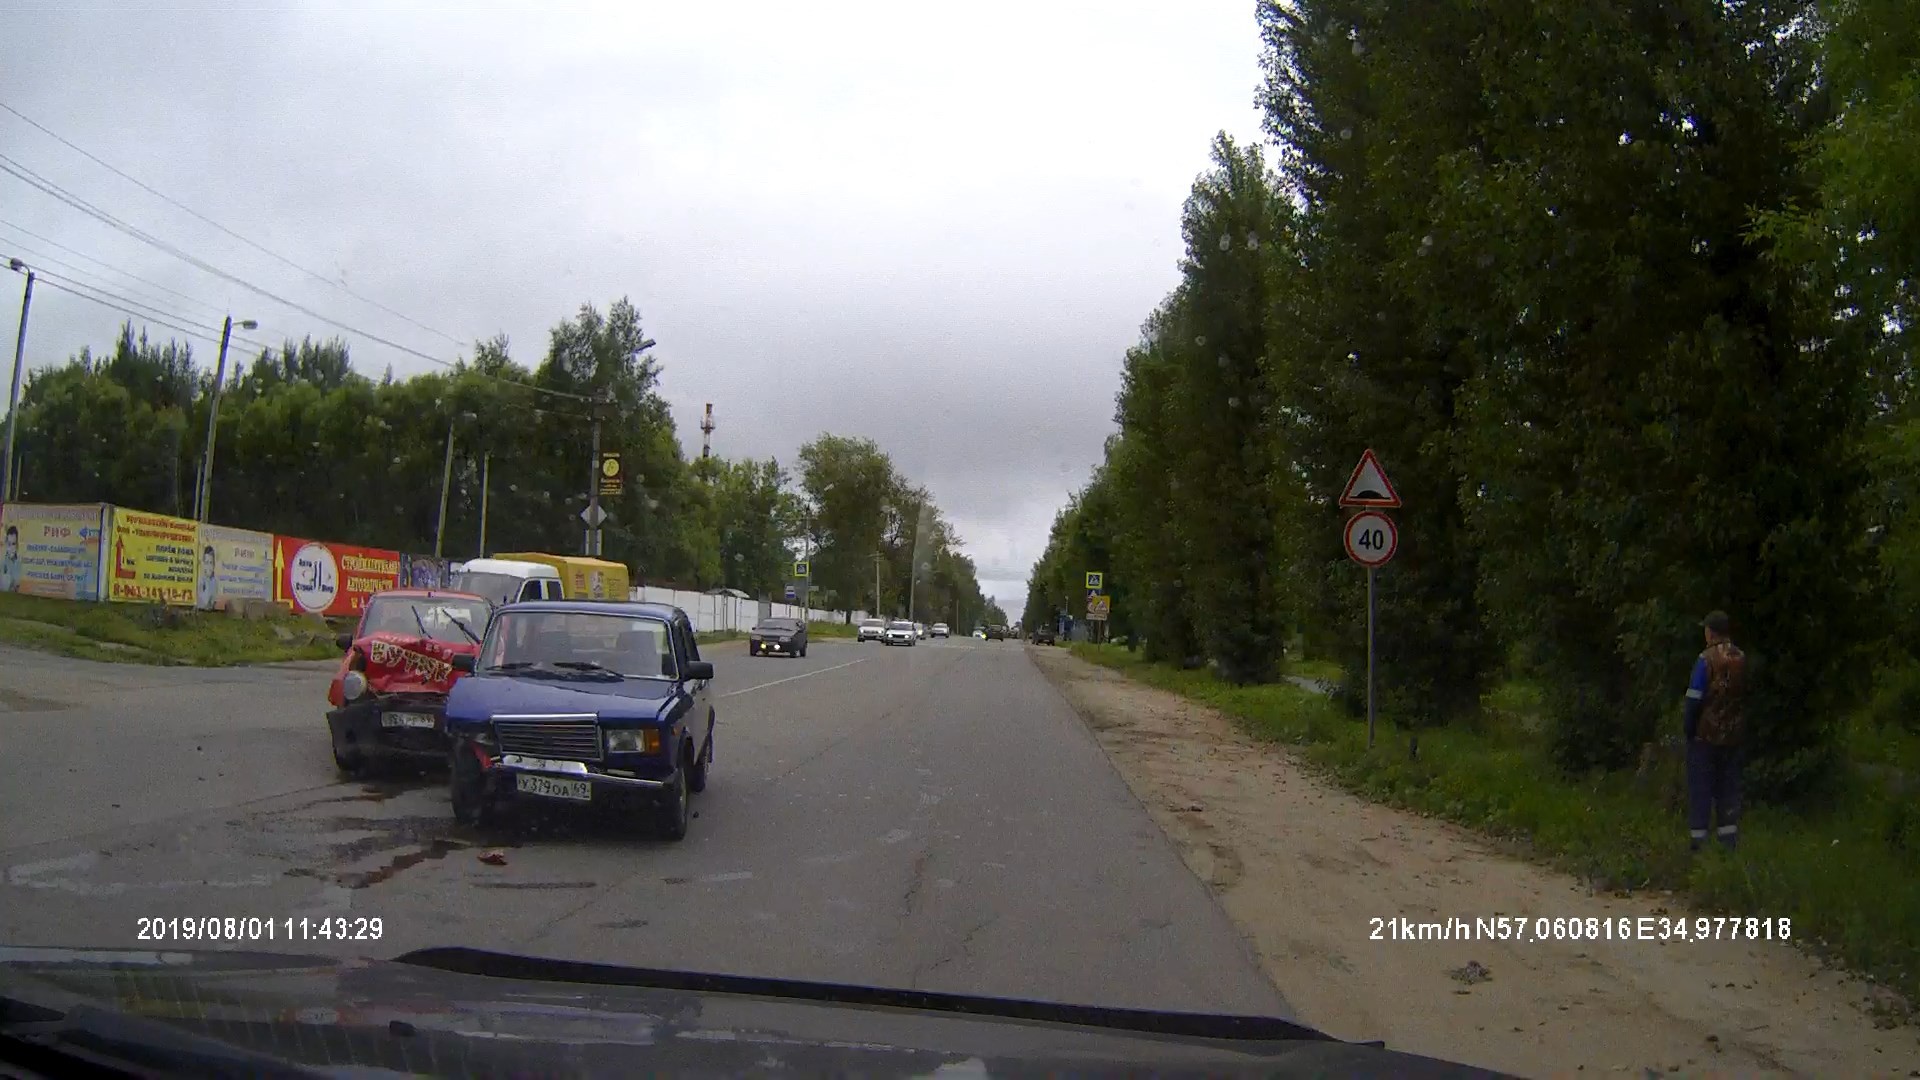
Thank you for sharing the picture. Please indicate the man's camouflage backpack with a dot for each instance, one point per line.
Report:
(1723, 719)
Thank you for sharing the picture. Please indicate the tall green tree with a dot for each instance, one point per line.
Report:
(1365, 103)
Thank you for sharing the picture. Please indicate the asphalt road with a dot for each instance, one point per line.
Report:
(934, 817)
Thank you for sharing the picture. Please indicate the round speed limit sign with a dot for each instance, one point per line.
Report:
(1371, 539)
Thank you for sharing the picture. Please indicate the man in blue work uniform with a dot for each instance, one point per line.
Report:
(1716, 735)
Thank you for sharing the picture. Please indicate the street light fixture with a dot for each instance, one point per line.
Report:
(204, 495)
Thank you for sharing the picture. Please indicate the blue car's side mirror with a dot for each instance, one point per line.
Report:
(462, 662)
(700, 669)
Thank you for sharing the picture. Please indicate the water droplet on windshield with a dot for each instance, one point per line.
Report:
(1226, 242)
(1253, 241)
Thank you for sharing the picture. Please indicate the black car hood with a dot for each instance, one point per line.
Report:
(471, 1012)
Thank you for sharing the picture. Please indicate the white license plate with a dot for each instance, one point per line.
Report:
(407, 720)
(547, 786)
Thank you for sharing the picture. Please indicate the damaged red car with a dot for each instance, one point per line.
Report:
(389, 696)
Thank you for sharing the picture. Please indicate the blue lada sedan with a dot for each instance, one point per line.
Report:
(583, 703)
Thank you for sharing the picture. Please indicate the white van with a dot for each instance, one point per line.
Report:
(505, 581)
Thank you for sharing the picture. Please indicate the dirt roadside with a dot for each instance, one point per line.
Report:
(1305, 870)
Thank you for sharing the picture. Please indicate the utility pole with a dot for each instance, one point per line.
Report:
(13, 397)
(446, 481)
(486, 470)
(593, 485)
(202, 501)
(876, 585)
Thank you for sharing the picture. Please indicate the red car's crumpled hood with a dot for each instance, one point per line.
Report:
(399, 664)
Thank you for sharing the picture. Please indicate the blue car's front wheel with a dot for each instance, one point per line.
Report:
(676, 806)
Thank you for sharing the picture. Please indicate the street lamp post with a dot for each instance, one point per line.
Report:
(204, 496)
(13, 396)
(446, 482)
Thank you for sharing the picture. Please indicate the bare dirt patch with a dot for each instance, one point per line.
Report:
(1307, 871)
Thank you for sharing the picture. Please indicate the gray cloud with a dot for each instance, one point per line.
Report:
(935, 227)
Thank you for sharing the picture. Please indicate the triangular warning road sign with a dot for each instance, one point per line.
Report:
(1369, 486)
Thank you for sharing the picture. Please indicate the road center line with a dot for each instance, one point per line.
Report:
(790, 678)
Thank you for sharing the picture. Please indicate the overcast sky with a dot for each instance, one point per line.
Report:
(938, 226)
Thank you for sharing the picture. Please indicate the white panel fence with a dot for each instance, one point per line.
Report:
(722, 612)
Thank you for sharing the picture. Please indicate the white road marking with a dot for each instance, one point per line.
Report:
(790, 678)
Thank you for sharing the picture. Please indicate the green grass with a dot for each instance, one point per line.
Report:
(1847, 873)
(142, 634)
(832, 630)
(1323, 670)
(709, 637)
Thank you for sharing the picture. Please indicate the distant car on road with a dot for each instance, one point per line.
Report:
(901, 632)
(778, 637)
(389, 695)
(871, 630)
(996, 632)
(1043, 635)
(940, 630)
(587, 703)
(920, 630)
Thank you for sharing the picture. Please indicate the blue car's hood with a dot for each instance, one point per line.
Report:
(478, 697)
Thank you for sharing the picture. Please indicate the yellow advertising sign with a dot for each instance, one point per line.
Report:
(153, 558)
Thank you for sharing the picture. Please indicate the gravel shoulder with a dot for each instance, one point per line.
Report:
(1308, 872)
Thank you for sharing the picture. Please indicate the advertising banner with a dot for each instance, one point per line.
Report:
(51, 550)
(320, 578)
(235, 564)
(153, 558)
(423, 572)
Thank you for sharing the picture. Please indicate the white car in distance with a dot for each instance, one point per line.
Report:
(940, 630)
(871, 630)
(901, 632)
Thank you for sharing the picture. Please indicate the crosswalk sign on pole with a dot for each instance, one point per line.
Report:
(1369, 486)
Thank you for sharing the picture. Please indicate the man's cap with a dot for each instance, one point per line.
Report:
(1717, 622)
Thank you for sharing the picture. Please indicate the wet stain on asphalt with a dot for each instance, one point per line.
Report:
(676, 880)
(535, 884)
(622, 924)
(434, 849)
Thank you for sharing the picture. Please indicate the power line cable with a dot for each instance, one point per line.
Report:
(163, 196)
(185, 325)
(128, 308)
(41, 261)
(77, 253)
(47, 187)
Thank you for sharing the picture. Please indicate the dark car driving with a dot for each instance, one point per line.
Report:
(583, 703)
(777, 637)
(1043, 634)
(996, 632)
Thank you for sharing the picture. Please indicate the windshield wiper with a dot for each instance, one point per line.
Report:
(420, 622)
(517, 665)
(465, 629)
(587, 667)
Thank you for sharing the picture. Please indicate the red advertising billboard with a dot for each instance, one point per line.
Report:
(322, 578)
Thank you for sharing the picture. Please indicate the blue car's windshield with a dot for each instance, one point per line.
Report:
(634, 646)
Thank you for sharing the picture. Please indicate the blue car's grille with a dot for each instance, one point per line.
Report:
(567, 738)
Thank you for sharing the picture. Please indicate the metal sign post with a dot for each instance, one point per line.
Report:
(1370, 538)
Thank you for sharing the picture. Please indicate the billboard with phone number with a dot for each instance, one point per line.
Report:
(154, 558)
(321, 578)
(50, 550)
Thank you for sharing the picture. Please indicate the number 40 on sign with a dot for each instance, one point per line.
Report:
(1371, 539)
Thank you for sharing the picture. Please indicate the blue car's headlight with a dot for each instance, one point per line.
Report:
(633, 740)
